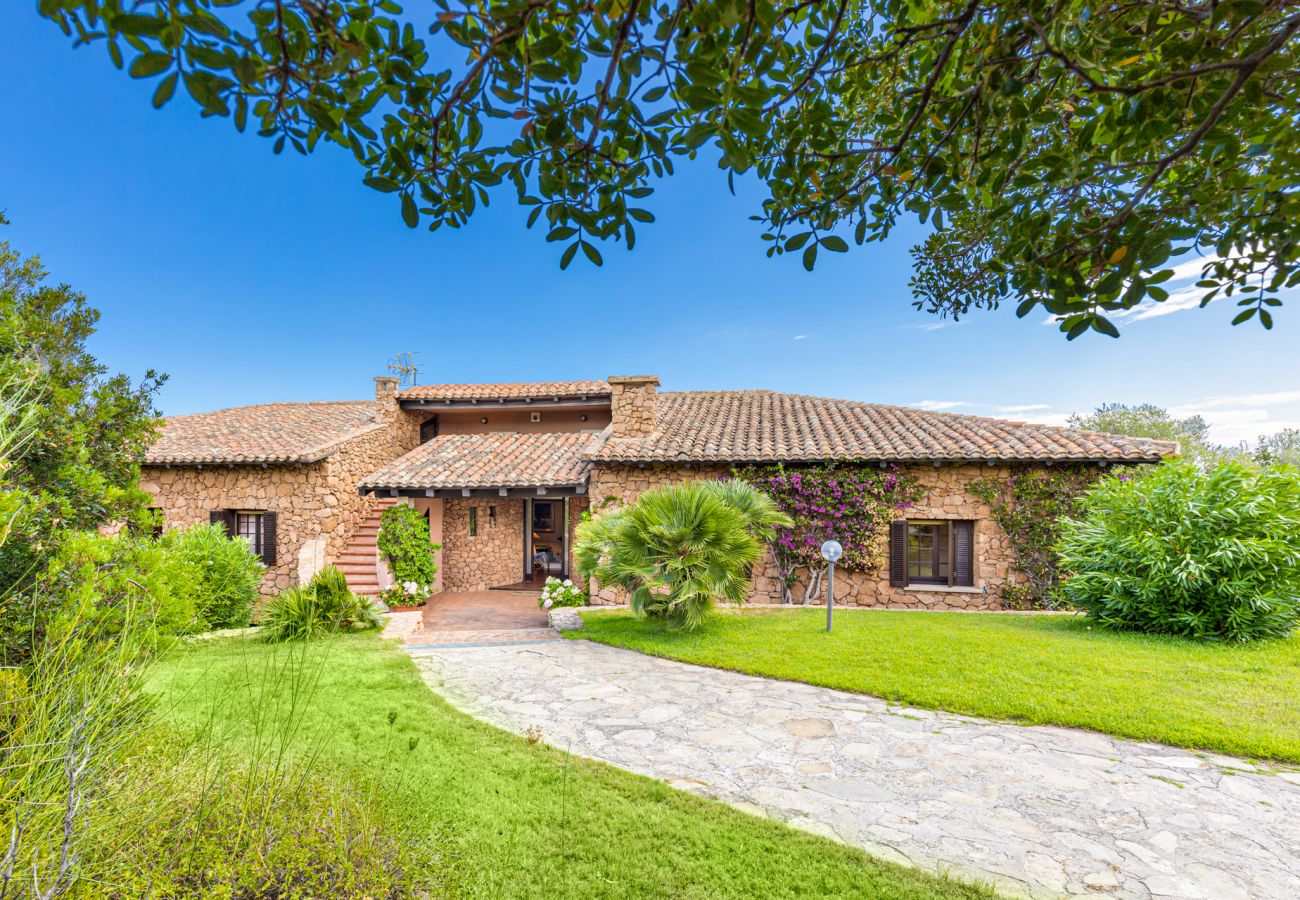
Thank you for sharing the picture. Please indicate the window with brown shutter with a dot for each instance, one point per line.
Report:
(258, 527)
(898, 553)
(963, 553)
(934, 552)
(269, 522)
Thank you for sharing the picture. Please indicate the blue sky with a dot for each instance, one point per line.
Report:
(250, 277)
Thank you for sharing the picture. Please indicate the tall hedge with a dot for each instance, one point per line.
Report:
(1212, 556)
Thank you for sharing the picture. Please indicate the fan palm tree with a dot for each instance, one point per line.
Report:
(678, 550)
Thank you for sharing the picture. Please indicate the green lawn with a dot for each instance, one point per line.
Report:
(511, 818)
(1035, 669)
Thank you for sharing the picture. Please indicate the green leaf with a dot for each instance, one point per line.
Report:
(148, 64)
(1105, 326)
(567, 256)
(592, 253)
(380, 183)
(810, 257)
(410, 215)
(835, 244)
(166, 88)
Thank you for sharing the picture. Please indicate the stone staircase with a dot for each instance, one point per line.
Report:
(360, 558)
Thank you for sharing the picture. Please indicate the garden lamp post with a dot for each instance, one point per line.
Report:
(831, 552)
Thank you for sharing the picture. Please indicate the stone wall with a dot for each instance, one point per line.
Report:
(946, 497)
(493, 557)
(300, 495)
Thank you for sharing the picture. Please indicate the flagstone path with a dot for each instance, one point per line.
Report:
(1035, 810)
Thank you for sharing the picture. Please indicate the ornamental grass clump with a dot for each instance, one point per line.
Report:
(1210, 556)
(323, 607)
(679, 550)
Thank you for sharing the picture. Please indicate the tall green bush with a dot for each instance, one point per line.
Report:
(220, 572)
(404, 542)
(1212, 556)
(678, 550)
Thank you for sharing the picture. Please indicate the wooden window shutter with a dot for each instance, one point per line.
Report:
(268, 537)
(963, 554)
(898, 553)
(223, 517)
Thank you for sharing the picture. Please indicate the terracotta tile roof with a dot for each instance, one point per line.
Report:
(536, 390)
(488, 461)
(268, 433)
(744, 426)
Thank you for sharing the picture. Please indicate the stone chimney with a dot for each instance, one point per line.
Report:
(632, 405)
(386, 408)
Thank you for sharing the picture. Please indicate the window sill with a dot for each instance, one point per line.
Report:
(944, 589)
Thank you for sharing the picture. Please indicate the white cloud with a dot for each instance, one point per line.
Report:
(1271, 398)
(1234, 418)
(800, 337)
(936, 405)
(1028, 407)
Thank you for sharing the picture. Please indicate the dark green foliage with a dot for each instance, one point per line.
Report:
(219, 572)
(1061, 153)
(78, 466)
(404, 542)
(1029, 508)
(325, 606)
(678, 550)
(1211, 556)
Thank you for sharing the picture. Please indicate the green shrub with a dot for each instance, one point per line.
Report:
(678, 550)
(1179, 551)
(404, 542)
(323, 607)
(222, 573)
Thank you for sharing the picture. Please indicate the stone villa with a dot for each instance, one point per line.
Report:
(503, 471)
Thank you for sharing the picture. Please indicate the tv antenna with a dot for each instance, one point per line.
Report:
(403, 366)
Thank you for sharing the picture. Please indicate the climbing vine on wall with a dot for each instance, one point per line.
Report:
(1029, 507)
(404, 541)
(850, 502)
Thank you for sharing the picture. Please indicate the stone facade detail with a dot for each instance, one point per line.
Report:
(632, 405)
(317, 504)
(946, 497)
(493, 557)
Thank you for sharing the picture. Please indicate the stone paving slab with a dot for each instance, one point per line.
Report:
(1037, 811)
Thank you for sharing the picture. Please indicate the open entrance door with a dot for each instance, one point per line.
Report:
(546, 539)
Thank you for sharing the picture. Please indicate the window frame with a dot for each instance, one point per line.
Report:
(942, 560)
(939, 561)
(473, 521)
(258, 546)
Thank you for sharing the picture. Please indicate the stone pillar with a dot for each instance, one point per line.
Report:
(632, 405)
(386, 408)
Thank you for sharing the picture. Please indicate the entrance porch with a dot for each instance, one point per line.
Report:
(502, 507)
